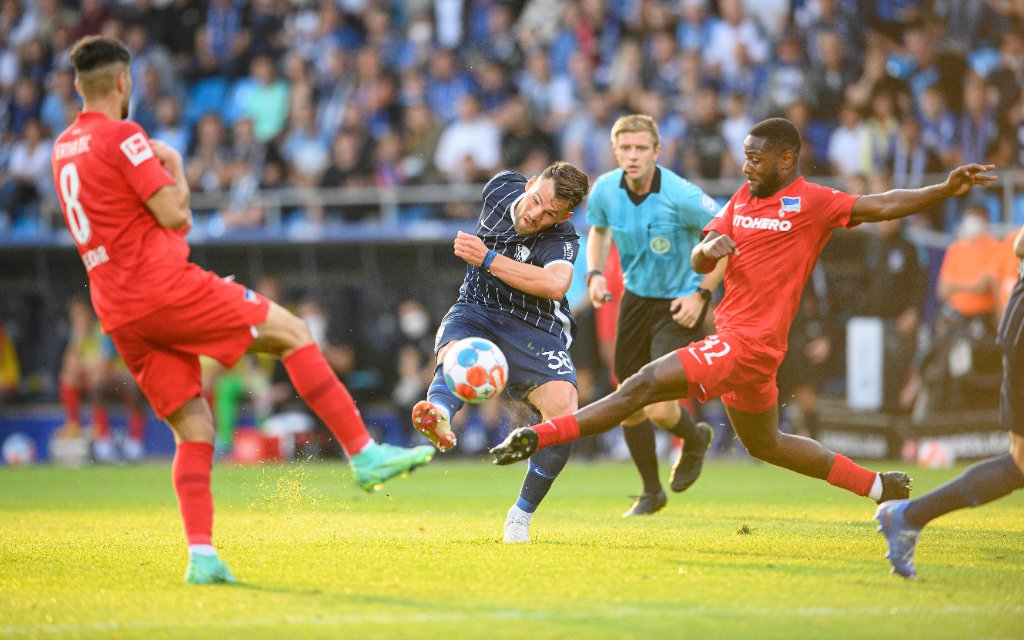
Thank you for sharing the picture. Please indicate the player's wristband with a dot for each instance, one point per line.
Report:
(488, 259)
(591, 274)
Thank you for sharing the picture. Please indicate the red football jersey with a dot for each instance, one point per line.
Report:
(104, 171)
(779, 239)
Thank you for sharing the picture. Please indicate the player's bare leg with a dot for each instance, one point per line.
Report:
(551, 399)
(287, 337)
(658, 381)
(759, 433)
(192, 424)
(432, 417)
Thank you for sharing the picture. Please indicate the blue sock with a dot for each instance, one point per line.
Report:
(440, 394)
(545, 465)
(979, 484)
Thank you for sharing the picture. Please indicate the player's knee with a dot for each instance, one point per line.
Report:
(764, 448)
(663, 413)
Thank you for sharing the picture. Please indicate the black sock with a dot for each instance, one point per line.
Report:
(979, 484)
(685, 428)
(641, 443)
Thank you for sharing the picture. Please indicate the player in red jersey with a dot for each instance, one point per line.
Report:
(773, 230)
(126, 203)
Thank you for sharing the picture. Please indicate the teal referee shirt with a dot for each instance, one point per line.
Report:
(655, 233)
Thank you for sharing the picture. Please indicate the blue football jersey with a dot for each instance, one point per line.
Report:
(559, 243)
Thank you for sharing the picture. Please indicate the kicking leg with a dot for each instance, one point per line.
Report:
(432, 417)
(287, 337)
(661, 380)
(551, 399)
(759, 433)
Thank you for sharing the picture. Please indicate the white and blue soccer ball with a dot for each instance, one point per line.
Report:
(475, 370)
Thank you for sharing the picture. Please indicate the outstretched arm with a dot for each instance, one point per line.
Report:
(710, 250)
(549, 282)
(899, 203)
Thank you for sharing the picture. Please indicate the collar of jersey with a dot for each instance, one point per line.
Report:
(655, 186)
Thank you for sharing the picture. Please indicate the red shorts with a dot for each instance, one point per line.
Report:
(740, 371)
(216, 318)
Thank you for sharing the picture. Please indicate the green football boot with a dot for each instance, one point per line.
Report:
(380, 462)
(205, 569)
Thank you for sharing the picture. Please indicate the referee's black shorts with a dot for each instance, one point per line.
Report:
(1011, 340)
(646, 331)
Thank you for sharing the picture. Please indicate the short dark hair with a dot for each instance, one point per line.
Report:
(95, 52)
(779, 133)
(571, 184)
(98, 61)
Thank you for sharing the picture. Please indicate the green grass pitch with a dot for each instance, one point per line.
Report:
(98, 553)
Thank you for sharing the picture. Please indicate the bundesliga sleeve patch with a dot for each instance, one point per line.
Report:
(136, 148)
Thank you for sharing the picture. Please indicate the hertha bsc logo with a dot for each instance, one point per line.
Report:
(522, 253)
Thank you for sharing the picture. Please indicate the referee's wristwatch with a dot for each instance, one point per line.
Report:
(705, 295)
(591, 274)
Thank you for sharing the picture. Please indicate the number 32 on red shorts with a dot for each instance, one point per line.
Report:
(738, 370)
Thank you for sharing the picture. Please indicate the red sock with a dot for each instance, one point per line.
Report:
(320, 388)
(136, 424)
(190, 473)
(71, 400)
(851, 476)
(100, 422)
(557, 431)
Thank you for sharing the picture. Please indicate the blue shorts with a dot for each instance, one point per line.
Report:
(534, 357)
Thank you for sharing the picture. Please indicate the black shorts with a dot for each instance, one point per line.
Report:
(646, 331)
(1011, 341)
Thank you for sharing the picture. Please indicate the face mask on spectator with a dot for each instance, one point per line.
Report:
(414, 324)
(972, 227)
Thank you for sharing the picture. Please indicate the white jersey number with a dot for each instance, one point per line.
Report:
(70, 185)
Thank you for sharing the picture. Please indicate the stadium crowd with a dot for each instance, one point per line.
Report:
(379, 93)
(341, 93)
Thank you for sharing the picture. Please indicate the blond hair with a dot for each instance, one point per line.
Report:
(636, 123)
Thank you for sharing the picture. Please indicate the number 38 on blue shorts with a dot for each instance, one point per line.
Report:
(534, 355)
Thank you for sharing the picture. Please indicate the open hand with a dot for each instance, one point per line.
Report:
(964, 177)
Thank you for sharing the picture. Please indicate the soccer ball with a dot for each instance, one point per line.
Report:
(475, 369)
(18, 449)
(935, 454)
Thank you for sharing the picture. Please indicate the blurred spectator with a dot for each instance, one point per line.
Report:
(446, 85)
(267, 105)
(661, 70)
(938, 126)
(411, 352)
(737, 46)
(169, 128)
(470, 148)
(894, 291)
(335, 90)
(1008, 78)
(1006, 271)
(207, 167)
(830, 76)
(693, 32)
(910, 159)
(788, 79)
(880, 128)
(814, 135)
(523, 144)
(147, 95)
(24, 107)
(968, 24)
(10, 367)
(977, 128)
(495, 86)
(29, 182)
(705, 154)
(349, 167)
(61, 103)
(586, 135)
(735, 126)
(420, 135)
(304, 147)
(966, 280)
(847, 143)
(92, 16)
(147, 56)
(550, 97)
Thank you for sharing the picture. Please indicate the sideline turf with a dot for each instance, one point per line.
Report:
(98, 553)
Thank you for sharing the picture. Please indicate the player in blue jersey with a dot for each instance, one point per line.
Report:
(655, 218)
(901, 521)
(520, 265)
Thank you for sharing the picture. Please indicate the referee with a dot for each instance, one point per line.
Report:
(655, 218)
